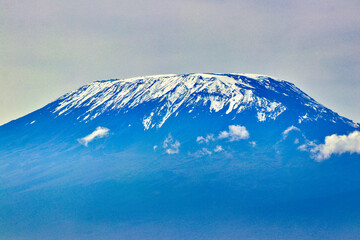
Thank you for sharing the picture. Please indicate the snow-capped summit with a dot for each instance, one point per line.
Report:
(229, 93)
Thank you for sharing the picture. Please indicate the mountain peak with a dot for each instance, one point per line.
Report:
(231, 93)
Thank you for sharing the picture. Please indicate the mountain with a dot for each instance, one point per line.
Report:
(191, 156)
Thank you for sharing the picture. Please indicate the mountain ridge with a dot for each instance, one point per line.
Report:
(232, 91)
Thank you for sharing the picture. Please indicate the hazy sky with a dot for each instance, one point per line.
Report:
(49, 47)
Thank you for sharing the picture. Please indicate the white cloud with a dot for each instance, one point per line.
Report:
(171, 146)
(200, 139)
(202, 152)
(99, 132)
(337, 144)
(308, 146)
(206, 151)
(235, 133)
(289, 129)
(155, 147)
(207, 139)
(253, 143)
(218, 149)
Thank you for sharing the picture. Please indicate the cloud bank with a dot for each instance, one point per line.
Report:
(337, 144)
(99, 132)
(235, 133)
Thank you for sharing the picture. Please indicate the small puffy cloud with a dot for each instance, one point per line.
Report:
(308, 146)
(206, 151)
(155, 147)
(174, 148)
(200, 139)
(235, 133)
(171, 146)
(289, 129)
(337, 144)
(201, 153)
(218, 148)
(253, 143)
(207, 139)
(99, 132)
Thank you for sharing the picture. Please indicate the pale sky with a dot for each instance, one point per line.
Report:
(49, 47)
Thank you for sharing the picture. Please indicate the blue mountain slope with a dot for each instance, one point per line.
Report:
(194, 156)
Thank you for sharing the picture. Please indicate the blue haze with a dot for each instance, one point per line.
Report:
(118, 187)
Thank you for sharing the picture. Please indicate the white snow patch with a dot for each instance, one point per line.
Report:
(147, 121)
(261, 116)
(254, 76)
